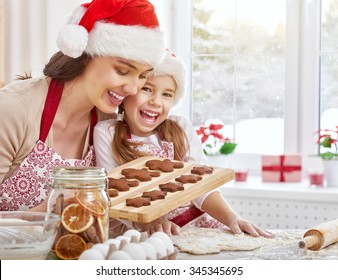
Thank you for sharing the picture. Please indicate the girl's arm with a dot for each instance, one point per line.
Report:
(217, 207)
(213, 202)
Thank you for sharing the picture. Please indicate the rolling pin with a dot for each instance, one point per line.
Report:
(320, 236)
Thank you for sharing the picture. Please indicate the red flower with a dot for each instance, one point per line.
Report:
(207, 131)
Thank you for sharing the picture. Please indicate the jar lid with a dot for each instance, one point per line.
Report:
(79, 173)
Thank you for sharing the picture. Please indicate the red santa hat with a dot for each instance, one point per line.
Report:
(173, 66)
(120, 28)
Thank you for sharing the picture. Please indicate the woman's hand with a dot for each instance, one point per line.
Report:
(160, 224)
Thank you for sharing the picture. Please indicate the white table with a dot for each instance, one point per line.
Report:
(278, 252)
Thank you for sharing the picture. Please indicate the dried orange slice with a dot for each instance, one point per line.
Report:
(70, 247)
(90, 204)
(75, 219)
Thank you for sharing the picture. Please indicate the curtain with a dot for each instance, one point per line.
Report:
(30, 30)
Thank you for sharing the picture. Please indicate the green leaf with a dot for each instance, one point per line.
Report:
(327, 155)
(227, 148)
(326, 142)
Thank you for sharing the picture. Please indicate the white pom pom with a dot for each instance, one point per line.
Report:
(72, 40)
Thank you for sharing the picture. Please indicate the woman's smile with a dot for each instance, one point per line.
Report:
(115, 98)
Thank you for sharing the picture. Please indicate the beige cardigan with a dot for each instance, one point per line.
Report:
(21, 106)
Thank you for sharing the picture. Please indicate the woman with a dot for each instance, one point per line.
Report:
(107, 49)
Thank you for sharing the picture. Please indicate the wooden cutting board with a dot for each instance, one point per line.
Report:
(158, 208)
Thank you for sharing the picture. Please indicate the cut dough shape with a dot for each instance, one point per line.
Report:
(202, 241)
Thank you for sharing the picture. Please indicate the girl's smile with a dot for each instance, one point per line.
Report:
(149, 116)
(146, 110)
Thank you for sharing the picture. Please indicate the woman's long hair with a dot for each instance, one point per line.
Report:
(63, 68)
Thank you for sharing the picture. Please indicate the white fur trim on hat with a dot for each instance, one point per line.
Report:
(132, 42)
(174, 67)
(129, 42)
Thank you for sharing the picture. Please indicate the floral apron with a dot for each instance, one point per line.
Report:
(189, 215)
(28, 186)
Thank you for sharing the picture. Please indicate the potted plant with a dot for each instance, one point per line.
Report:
(328, 151)
(215, 144)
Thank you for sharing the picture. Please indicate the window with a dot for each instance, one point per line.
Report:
(238, 77)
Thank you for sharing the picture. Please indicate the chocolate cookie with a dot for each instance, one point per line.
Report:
(171, 187)
(138, 201)
(122, 184)
(155, 194)
(139, 174)
(193, 178)
(165, 165)
(113, 192)
(201, 170)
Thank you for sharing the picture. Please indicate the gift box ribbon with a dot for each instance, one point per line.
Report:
(282, 168)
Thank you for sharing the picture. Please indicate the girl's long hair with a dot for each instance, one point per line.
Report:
(169, 131)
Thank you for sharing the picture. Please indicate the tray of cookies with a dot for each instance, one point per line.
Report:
(149, 187)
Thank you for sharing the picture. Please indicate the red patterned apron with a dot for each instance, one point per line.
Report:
(29, 184)
(165, 151)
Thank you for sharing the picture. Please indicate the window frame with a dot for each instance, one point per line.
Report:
(302, 83)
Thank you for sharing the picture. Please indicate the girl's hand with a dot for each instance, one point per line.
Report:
(238, 225)
(165, 226)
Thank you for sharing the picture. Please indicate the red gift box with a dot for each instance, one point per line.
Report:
(282, 168)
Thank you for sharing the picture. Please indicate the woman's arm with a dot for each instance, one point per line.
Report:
(13, 126)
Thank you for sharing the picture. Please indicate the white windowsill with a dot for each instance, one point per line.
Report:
(282, 205)
(254, 187)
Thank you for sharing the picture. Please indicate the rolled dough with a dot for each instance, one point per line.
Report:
(201, 241)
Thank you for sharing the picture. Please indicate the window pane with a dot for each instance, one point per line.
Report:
(213, 79)
(329, 32)
(329, 64)
(260, 87)
(260, 26)
(213, 26)
(239, 70)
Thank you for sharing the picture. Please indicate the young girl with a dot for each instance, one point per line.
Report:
(147, 129)
(107, 50)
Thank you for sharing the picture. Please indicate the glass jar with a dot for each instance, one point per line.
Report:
(79, 196)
